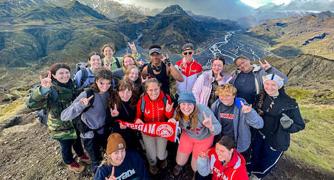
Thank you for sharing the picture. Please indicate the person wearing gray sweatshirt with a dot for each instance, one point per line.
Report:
(92, 108)
(199, 126)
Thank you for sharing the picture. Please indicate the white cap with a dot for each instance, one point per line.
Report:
(274, 77)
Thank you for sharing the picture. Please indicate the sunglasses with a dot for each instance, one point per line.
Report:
(187, 53)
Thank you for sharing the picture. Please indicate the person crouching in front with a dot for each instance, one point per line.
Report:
(119, 163)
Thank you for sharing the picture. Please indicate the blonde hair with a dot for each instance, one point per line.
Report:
(128, 71)
(129, 56)
(149, 81)
(226, 89)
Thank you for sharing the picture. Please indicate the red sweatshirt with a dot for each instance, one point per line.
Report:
(154, 110)
(190, 68)
(234, 170)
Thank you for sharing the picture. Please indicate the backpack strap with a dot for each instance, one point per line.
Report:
(84, 76)
(142, 105)
(117, 63)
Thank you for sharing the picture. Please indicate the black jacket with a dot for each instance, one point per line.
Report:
(271, 111)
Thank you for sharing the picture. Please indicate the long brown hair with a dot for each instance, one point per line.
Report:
(193, 117)
(116, 99)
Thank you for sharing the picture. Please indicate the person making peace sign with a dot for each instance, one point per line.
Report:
(199, 125)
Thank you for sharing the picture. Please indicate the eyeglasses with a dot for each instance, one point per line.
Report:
(187, 53)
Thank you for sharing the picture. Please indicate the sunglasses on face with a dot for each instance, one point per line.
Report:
(187, 53)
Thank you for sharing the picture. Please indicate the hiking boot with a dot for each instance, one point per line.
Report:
(163, 164)
(177, 170)
(153, 169)
(85, 159)
(75, 167)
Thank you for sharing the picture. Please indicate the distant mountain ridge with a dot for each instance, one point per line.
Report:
(311, 34)
(44, 31)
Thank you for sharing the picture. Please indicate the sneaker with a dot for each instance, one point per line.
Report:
(153, 169)
(163, 164)
(85, 159)
(177, 170)
(76, 167)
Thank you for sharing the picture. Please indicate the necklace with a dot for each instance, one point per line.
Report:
(156, 68)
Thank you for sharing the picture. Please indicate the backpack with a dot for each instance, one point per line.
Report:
(81, 66)
(142, 105)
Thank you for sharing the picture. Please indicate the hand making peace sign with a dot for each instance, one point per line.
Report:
(114, 112)
(85, 101)
(265, 65)
(207, 122)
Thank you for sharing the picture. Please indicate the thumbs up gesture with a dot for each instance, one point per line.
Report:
(265, 65)
(112, 176)
(245, 108)
(207, 122)
(85, 101)
(46, 82)
(169, 107)
(114, 112)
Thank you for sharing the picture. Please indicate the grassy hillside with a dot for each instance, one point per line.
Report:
(312, 34)
(314, 146)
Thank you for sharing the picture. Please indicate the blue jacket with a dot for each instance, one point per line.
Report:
(241, 123)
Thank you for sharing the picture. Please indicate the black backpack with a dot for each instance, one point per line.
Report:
(82, 66)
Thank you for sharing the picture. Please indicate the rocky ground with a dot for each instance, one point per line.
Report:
(27, 152)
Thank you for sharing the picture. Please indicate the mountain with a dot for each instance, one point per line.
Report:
(173, 27)
(296, 8)
(310, 34)
(42, 31)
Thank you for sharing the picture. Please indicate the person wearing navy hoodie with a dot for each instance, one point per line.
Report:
(120, 163)
(281, 117)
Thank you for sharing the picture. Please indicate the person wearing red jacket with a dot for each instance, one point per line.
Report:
(223, 161)
(154, 106)
(189, 68)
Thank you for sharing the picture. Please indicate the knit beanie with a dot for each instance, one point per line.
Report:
(187, 97)
(274, 77)
(115, 142)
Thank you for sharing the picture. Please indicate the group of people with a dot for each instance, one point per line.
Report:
(227, 120)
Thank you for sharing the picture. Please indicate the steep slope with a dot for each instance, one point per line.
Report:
(311, 34)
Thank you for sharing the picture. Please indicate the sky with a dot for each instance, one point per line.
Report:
(228, 9)
(259, 3)
(252, 3)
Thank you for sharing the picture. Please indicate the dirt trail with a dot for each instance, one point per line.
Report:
(27, 152)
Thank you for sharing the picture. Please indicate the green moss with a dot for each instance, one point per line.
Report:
(301, 95)
(12, 109)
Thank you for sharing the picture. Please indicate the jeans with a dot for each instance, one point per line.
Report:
(93, 147)
(66, 149)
